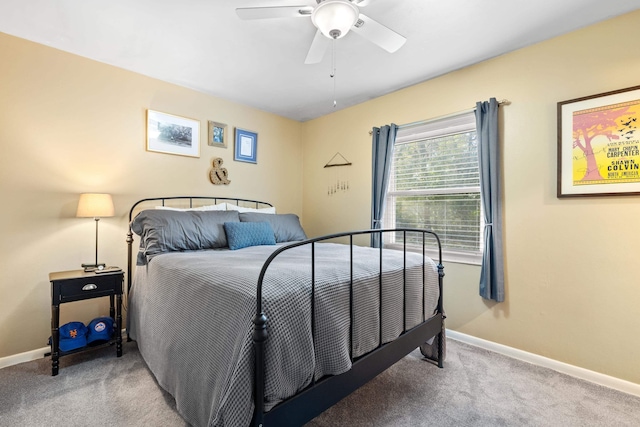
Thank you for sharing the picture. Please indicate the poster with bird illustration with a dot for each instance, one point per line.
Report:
(599, 144)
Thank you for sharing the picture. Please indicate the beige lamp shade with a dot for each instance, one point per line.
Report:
(95, 205)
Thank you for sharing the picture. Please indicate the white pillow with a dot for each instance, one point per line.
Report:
(269, 210)
(218, 207)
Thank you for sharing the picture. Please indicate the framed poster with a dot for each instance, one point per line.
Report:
(246, 146)
(217, 136)
(599, 145)
(171, 134)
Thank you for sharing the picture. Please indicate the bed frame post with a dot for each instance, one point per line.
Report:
(129, 253)
(441, 337)
(129, 243)
(259, 338)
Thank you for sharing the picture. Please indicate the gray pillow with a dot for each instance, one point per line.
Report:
(286, 227)
(167, 231)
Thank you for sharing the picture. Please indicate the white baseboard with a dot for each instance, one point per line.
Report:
(27, 356)
(564, 368)
(39, 353)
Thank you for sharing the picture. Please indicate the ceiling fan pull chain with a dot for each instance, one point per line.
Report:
(333, 70)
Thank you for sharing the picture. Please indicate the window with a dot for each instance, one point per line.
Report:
(434, 183)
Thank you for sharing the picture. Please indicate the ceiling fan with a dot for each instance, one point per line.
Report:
(333, 19)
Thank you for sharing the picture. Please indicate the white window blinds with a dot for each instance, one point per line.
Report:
(434, 182)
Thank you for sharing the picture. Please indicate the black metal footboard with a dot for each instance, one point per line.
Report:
(327, 391)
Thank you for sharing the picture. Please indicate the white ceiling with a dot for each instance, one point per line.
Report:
(203, 45)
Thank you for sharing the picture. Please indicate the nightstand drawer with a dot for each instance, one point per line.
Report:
(89, 287)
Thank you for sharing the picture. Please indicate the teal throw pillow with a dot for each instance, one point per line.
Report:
(244, 234)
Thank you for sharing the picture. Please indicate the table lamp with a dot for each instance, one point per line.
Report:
(96, 206)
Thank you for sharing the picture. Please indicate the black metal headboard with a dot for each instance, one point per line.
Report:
(201, 201)
(182, 202)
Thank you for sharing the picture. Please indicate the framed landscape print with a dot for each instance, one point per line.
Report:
(246, 146)
(599, 145)
(171, 134)
(217, 135)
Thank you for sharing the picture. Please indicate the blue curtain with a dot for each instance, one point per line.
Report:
(383, 141)
(492, 273)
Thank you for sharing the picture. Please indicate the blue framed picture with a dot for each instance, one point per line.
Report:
(246, 146)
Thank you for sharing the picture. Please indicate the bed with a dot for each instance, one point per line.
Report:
(273, 328)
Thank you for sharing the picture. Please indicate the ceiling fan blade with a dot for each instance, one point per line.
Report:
(273, 12)
(377, 33)
(317, 49)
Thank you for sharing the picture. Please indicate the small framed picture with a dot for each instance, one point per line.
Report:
(246, 146)
(171, 134)
(217, 134)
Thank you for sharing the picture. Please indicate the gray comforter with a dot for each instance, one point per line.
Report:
(191, 314)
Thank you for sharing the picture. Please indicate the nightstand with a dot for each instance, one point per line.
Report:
(77, 285)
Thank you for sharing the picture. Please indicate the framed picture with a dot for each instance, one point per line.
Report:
(171, 134)
(217, 134)
(599, 145)
(246, 146)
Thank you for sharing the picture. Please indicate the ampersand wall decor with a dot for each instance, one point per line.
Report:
(218, 174)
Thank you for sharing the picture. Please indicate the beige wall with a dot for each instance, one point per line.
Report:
(72, 125)
(572, 269)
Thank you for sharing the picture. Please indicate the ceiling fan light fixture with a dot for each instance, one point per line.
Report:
(334, 18)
